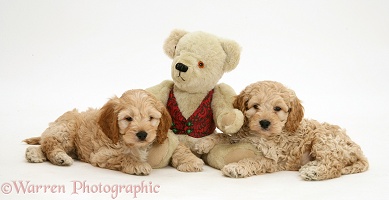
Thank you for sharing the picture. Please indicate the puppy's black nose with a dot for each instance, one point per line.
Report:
(181, 67)
(141, 135)
(264, 124)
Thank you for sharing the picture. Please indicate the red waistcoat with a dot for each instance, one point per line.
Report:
(199, 124)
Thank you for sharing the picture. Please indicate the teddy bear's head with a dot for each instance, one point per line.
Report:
(200, 59)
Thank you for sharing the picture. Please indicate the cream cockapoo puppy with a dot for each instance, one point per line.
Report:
(274, 124)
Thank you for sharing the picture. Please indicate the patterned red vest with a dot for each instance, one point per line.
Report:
(199, 124)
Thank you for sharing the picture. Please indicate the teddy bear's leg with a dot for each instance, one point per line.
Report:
(223, 154)
(205, 144)
(160, 154)
(157, 154)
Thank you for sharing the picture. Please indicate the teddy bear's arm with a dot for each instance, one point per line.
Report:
(161, 91)
(228, 119)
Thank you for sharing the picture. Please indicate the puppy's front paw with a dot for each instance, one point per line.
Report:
(203, 146)
(139, 169)
(236, 170)
(193, 165)
(35, 155)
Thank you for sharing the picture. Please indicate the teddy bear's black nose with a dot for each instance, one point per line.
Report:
(181, 67)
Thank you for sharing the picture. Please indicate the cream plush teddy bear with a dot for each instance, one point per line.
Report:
(197, 103)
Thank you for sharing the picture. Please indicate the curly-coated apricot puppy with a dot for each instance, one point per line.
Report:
(118, 136)
(274, 124)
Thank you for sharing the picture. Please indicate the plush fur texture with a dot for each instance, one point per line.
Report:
(274, 124)
(207, 58)
(118, 136)
(217, 56)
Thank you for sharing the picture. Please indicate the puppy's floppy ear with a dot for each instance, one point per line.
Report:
(296, 114)
(171, 42)
(232, 50)
(240, 103)
(164, 124)
(108, 120)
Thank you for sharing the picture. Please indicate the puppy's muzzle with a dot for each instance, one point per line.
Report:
(181, 67)
(141, 135)
(264, 124)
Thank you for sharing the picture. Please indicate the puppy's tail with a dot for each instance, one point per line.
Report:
(33, 140)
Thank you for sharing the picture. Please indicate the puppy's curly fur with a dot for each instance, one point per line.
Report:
(274, 124)
(117, 137)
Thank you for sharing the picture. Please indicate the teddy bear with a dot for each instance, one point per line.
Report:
(197, 103)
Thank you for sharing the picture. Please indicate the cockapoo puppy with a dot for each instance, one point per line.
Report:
(117, 137)
(274, 124)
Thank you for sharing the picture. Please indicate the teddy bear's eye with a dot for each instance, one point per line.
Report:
(255, 106)
(201, 64)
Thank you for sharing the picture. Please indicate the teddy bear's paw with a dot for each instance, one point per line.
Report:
(140, 169)
(236, 170)
(231, 122)
(193, 165)
(34, 155)
(203, 146)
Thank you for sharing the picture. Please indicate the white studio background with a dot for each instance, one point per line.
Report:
(60, 55)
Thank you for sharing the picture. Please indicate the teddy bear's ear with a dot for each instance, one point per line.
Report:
(232, 50)
(171, 42)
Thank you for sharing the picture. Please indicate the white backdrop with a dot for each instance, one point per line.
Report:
(60, 55)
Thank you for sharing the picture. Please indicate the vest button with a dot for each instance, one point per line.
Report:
(189, 131)
(174, 130)
(189, 124)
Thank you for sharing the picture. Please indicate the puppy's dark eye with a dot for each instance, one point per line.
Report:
(129, 119)
(256, 106)
(277, 108)
(151, 118)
